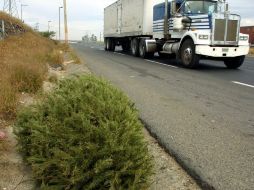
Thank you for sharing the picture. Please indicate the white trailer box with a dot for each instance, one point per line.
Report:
(129, 18)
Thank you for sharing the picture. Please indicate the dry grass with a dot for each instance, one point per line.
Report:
(74, 56)
(56, 57)
(251, 51)
(14, 21)
(23, 65)
(67, 49)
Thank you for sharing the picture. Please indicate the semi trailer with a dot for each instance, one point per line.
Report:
(188, 30)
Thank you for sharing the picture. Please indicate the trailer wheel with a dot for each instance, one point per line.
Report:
(235, 62)
(112, 44)
(107, 45)
(142, 50)
(126, 46)
(135, 47)
(188, 56)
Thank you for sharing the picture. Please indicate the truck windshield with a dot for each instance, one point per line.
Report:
(200, 7)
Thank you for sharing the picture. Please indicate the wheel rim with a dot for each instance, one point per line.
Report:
(187, 56)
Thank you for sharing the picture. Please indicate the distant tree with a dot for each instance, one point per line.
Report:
(93, 38)
(48, 34)
(85, 38)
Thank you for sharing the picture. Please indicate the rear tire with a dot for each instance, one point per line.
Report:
(135, 47)
(188, 56)
(234, 62)
(110, 44)
(106, 44)
(142, 50)
(126, 46)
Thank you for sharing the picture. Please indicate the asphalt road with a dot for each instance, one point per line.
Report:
(204, 117)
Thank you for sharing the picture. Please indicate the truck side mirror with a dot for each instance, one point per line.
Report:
(173, 8)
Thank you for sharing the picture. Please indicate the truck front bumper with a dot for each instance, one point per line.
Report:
(216, 51)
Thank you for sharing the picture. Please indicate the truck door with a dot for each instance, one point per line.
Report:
(119, 17)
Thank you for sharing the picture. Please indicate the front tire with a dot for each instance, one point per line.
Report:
(188, 56)
(234, 62)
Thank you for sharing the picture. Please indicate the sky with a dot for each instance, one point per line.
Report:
(86, 16)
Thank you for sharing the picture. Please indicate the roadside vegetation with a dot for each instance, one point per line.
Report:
(251, 51)
(84, 135)
(23, 64)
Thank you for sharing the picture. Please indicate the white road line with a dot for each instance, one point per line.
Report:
(243, 84)
(118, 53)
(161, 64)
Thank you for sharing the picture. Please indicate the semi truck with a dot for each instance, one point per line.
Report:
(188, 30)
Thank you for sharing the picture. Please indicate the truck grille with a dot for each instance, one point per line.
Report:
(226, 31)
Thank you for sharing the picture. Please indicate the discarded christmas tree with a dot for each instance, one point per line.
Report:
(85, 135)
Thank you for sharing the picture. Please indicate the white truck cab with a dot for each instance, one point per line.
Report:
(203, 28)
(188, 29)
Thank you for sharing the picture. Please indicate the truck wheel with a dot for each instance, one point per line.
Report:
(142, 50)
(111, 45)
(188, 56)
(126, 46)
(234, 62)
(135, 47)
(107, 45)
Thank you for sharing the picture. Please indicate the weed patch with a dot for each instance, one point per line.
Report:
(84, 135)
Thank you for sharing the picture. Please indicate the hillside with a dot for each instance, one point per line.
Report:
(23, 62)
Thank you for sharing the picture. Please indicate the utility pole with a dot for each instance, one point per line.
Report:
(65, 22)
(10, 7)
(3, 30)
(49, 25)
(21, 11)
(37, 26)
(60, 23)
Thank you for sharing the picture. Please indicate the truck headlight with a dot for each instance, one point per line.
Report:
(203, 37)
(244, 38)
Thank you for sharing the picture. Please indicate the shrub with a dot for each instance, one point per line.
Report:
(28, 78)
(84, 135)
(48, 34)
(56, 57)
